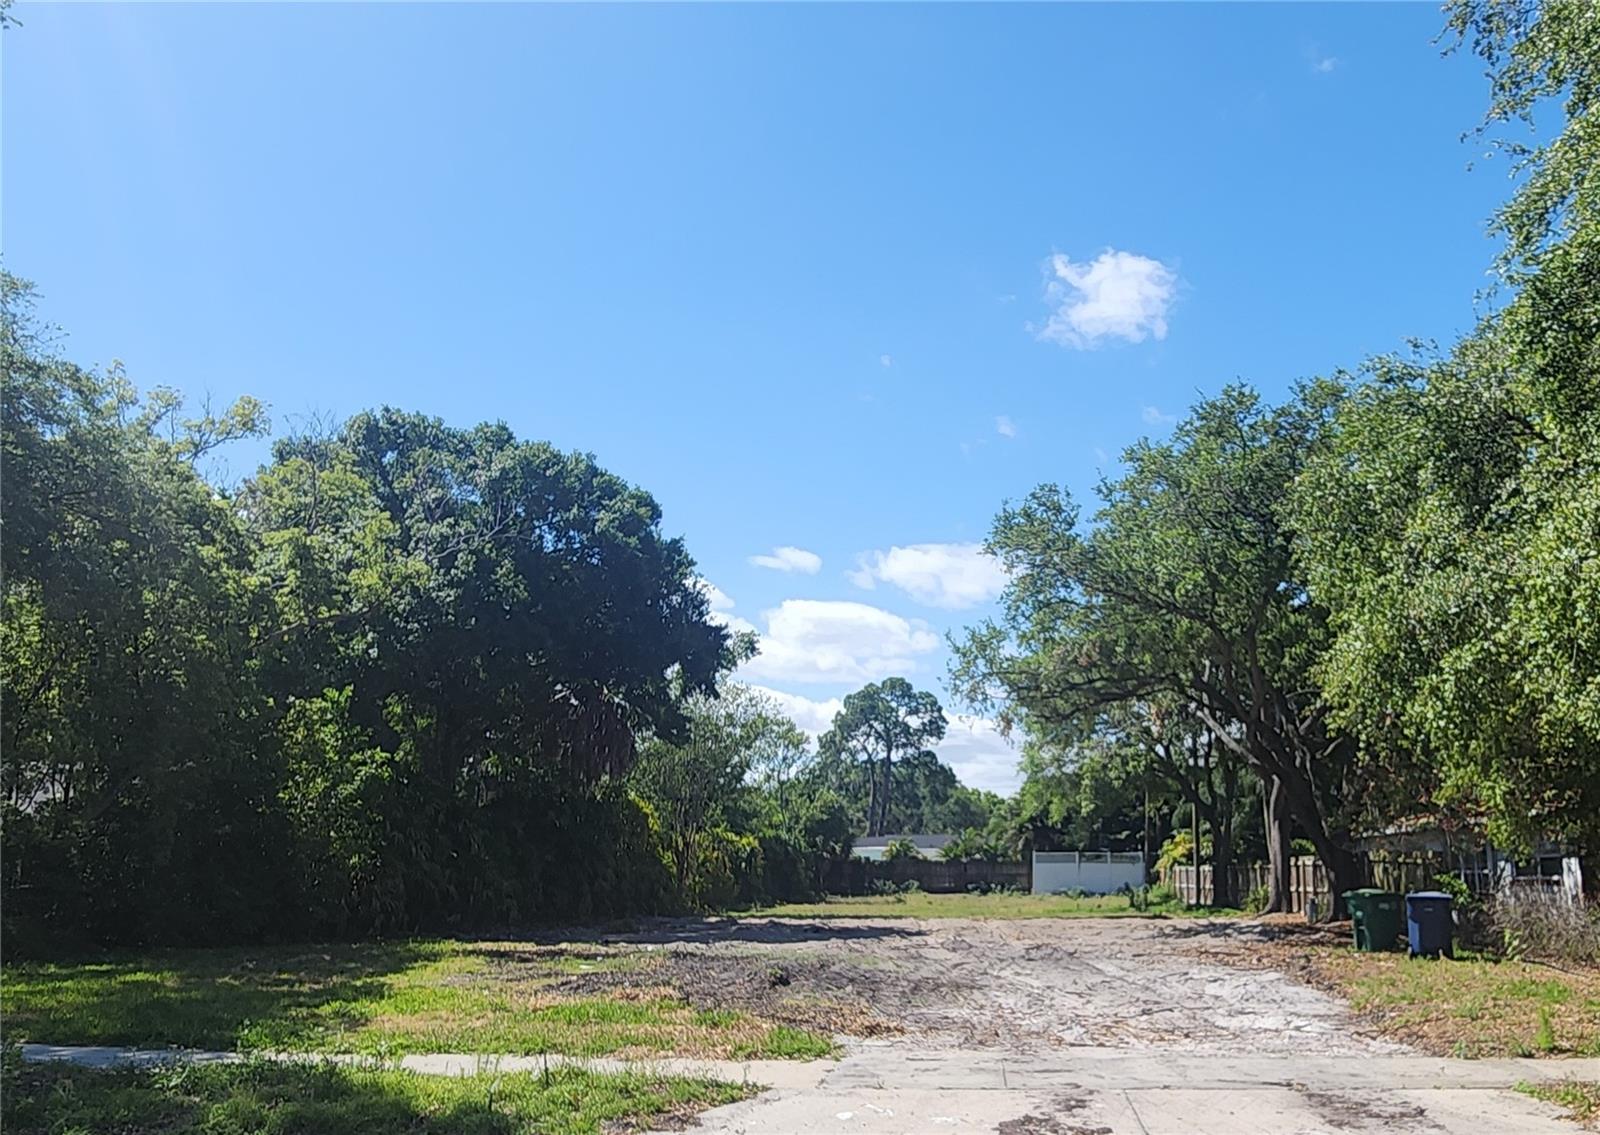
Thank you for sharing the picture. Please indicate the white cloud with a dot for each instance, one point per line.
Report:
(813, 716)
(722, 607)
(885, 360)
(789, 558)
(815, 640)
(1324, 65)
(980, 754)
(1118, 295)
(1155, 416)
(717, 597)
(1005, 427)
(939, 575)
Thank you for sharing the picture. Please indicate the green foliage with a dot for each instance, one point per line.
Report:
(1451, 527)
(900, 849)
(390, 682)
(1177, 850)
(268, 1098)
(879, 724)
(1180, 599)
(973, 844)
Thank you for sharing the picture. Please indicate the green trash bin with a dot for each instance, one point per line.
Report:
(1377, 917)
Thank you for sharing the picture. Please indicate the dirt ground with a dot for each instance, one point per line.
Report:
(1006, 985)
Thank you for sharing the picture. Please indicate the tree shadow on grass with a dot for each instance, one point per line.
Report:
(1245, 931)
(281, 997)
(42, 1099)
(711, 929)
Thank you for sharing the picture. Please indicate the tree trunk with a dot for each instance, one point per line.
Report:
(1194, 835)
(1277, 805)
(1222, 889)
(872, 799)
(888, 783)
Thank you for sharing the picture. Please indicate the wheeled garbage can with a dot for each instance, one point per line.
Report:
(1375, 918)
(1430, 931)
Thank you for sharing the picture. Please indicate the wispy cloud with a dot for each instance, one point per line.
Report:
(1005, 427)
(1324, 64)
(886, 360)
(938, 575)
(1155, 416)
(1117, 295)
(788, 558)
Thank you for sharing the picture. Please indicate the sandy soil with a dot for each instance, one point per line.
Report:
(1008, 985)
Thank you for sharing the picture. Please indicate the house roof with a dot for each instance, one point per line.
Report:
(920, 842)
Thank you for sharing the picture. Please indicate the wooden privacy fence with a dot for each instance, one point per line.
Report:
(941, 876)
(1308, 879)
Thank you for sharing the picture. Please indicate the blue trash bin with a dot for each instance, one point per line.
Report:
(1429, 927)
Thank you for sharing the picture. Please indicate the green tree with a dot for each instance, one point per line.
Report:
(1453, 528)
(879, 723)
(1184, 588)
(138, 798)
(695, 784)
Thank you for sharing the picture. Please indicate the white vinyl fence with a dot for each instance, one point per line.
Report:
(1092, 872)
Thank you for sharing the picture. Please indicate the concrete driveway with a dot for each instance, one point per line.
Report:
(1105, 1027)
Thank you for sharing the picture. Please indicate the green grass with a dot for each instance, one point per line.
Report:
(320, 1099)
(1580, 1098)
(380, 999)
(1473, 1006)
(920, 904)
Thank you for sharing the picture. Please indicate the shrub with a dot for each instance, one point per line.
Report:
(900, 849)
(1544, 926)
(1256, 901)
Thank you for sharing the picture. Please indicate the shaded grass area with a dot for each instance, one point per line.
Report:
(321, 1099)
(921, 904)
(381, 999)
(1580, 1098)
(1474, 1006)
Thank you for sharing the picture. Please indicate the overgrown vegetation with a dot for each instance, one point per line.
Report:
(274, 1098)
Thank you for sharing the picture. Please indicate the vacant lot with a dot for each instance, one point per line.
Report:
(1010, 983)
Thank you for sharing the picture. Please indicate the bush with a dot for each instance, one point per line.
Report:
(900, 849)
(972, 844)
(994, 889)
(1256, 901)
(1544, 927)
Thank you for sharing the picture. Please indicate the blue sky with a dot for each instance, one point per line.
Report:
(835, 279)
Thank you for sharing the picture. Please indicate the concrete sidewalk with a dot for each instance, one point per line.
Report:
(781, 1074)
(895, 1089)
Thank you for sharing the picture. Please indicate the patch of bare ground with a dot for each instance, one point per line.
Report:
(1001, 984)
(796, 990)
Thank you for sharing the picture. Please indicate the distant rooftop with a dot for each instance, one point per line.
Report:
(920, 842)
